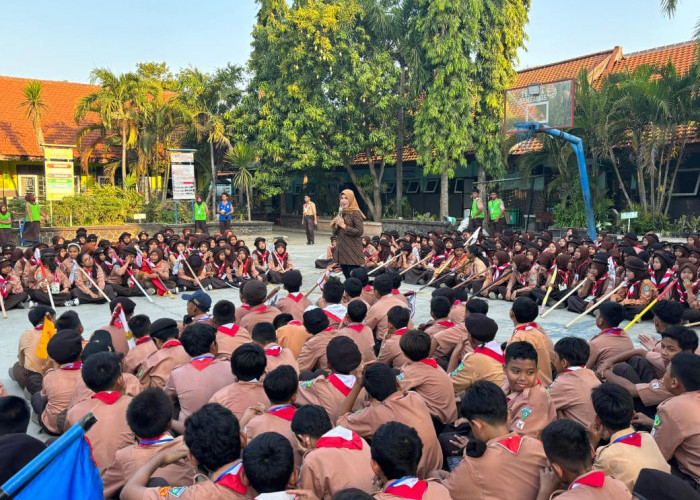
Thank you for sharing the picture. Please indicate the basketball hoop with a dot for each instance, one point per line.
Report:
(524, 132)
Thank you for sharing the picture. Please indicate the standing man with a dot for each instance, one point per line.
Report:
(477, 213)
(32, 225)
(309, 219)
(497, 211)
(225, 210)
(201, 213)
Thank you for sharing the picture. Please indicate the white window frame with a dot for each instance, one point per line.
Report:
(431, 186)
(697, 182)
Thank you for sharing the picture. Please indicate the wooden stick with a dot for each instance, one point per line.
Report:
(569, 294)
(500, 281)
(271, 294)
(194, 275)
(94, 284)
(437, 273)
(595, 306)
(691, 325)
(2, 305)
(651, 304)
(460, 285)
(549, 289)
(384, 264)
(136, 282)
(434, 281)
(416, 264)
(48, 286)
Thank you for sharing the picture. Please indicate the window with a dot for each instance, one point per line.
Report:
(389, 187)
(687, 182)
(411, 187)
(459, 186)
(431, 186)
(297, 188)
(27, 184)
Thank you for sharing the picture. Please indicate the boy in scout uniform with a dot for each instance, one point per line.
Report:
(486, 361)
(265, 336)
(229, 334)
(254, 293)
(313, 353)
(139, 326)
(390, 352)
(359, 332)
(611, 340)
(377, 316)
(156, 369)
(439, 311)
(294, 303)
(11, 288)
(29, 370)
(523, 314)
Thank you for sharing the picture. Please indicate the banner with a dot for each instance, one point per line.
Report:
(58, 163)
(182, 166)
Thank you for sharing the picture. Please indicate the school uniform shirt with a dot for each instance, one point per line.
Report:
(412, 488)
(408, 408)
(224, 484)
(293, 336)
(363, 338)
(13, 279)
(294, 304)
(57, 390)
(83, 284)
(653, 393)
(240, 396)
(276, 419)
(657, 363)
(530, 410)
(594, 485)
(241, 311)
(132, 388)
(390, 352)
(439, 325)
(26, 353)
(627, 454)
(313, 353)
(457, 312)
(377, 318)
(608, 344)
(135, 357)
(647, 293)
(485, 363)
(677, 431)
(448, 338)
(154, 372)
(340, 460)
(571, 394)
(259, 314)
(531, 332)
(277, 356)
(111, 432)
(118, 338)
(483, 478)
(329, 392)
(368, 295)
(230, 337)
(429, 380)
(130, 458)
(193, 384)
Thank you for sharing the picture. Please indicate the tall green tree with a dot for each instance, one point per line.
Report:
(241, 157)
(35, 107)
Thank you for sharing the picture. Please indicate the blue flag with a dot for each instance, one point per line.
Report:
(71, 472)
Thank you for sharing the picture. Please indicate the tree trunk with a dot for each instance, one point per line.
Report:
(167, 179)
(444, 192)
(613, 161)
(124, 156)
(283, 203)
(399, 148)
(642, 189)
(360, 191)
(672, 185)
(377, 193)
(481, 178)
(212, 192)
(247, 197)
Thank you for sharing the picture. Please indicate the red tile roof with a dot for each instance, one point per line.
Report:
(594, 63)
(682, 55)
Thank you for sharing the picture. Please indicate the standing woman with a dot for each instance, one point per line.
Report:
(32, 225)
(5, 225)
(225, 210)
(348, 226)
(309, 220)
(201, 213)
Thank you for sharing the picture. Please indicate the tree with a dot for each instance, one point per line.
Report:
(241, 157)
(34, 107)
(668, 7)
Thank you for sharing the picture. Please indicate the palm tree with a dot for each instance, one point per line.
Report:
(35, 107)
(242, 157)
(668, 7)
(120, 102)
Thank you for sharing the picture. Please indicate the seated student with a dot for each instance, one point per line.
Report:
(48, 274)
(291, 333)
(29, 370)
(265, 336)
(156, 273)
(254, 294)
(390, 353)
(269, 468)
(13, 293)
(115, 327)
(611, 341)
(294, 303)
(453, 343)
(84, 288)
(248, 366)
(523, 315)
(571, 390)
(367, 294)
(149, 416)
(198, 305)
(661, 486)
(156, 368)
(125, 273)
(423, 375)
(568, 449)
(279, 262)
(439, 311)
(52, 402)
(324, 263)
(494, 450)
(281, 385)
(649, 394)
(667, 313)
(352, 291)
(361, 334)
(331, 303)
(260, 256)
(335, 458)
(639, 292)
(313, 354)
(188, 275)
(386, 403)
(396, 284)
(17, 448)
(213, 439)
(486, 360)
(377, 316)
(229, 335)
(628, 451)
(397, 452)
(102, 374)
(330, 391)
(69, 320)
(192, 384)
(139, 326)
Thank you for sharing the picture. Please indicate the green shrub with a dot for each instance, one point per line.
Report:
(159, 211)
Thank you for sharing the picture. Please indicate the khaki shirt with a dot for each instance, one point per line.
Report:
(530, 410)
(542, 343)
(294, 304)
(475, 367)
(377, 318)
(259, 314)
(607, 345)
(240, 396)
(204, 488)
(26, 354)
(136, 356)
(229, 338)
(434, 386)
(612, 489)
(677, 432)
(155, 371)
(57, 391)
(313, 353)
(571, 395)
(293, 336)
(363, 338)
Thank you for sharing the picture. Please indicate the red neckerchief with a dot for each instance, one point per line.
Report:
(574, 368)
(511, 443)
(457, 303)
(492, 350)
(3, 287)
(612, 331)
(332, 316)
(634, 439)
(630, 290)
(171, 343)
(259, 308)
(231, 479)
(523, 278)
(72, 366)
(665, 279)
(261, 257)
(367, 288)
(497, 270)
(231, 329)
(446, 323)
(395, 291)
(410, 488)
(244, 267)
(201, 362)
(595, 479)
(528, 326)
(357, 327)
(142, 340)
(297, 297)
(680, 288)
(108, 397)
(340, 437)
(163, 438)
(273, 350)
(597, 283)
(295, 322)
(429, 362)
(401, 331)
(564, 276)
(245, 306)
(437, 258)
(221, 270)
(286, 412)
(339, 384)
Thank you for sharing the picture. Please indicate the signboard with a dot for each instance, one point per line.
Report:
(628, 215)
(182, 166)
(58, 163)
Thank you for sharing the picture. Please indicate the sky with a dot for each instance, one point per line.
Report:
(46, 39)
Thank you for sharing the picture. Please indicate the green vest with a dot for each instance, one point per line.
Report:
(475, 209)
(495, 208)
(200, 211)
(35, 212)
(5, 220)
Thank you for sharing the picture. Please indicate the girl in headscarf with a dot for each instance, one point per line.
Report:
(598, 283)
(523, 279)
(661, 270)
(639, 290)
(686, 291)
(559, 277)
(5, 224)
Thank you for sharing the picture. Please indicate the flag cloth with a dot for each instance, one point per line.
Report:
(119, 320)
(273, 300)
(411, 297)
(321, 282)
(71, 472)
(46, 333)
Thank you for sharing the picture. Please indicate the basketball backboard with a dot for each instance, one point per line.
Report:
(549, 104)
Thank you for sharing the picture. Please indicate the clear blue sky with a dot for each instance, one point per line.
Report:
(54, 40)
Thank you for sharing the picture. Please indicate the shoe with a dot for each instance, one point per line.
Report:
(210, 287)
(68, 303)
(175, 290)
(76, 302)
(20, 305)
(11, 374)
(151, 291)
(31, 304)
(492, 295)
(501, 296)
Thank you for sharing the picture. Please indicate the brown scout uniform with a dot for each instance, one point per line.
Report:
(132, 387)
(330, 393)
(156, 369)
(571, 394)
(294, 304)
(118, 338)
(531, 332)
(647, 293)
(293, 336)
(439, 325)
(608, 344)
(277, 356)
(194, 383)
(521, 456)
(240, 396)
(277, 419)
(229, 338)
(128, 460)
(433, 490)
(594, 485)
(627, 454)
(26, 353)
(313, 354)
(135, 357)
(448, 339)
(653, 393)
(408, 408)
(434, 385)
(390, 353)
(458, 311)
(241, 312)
(368, 295)
(57, 391)
(485, 363)
(530, 410)
(258, 314)
(363, 338)
(377, 318)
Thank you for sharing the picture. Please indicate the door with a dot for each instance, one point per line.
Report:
(27, 184)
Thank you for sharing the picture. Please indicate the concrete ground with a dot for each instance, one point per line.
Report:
(94, 316)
